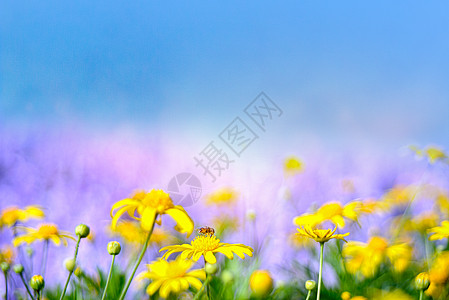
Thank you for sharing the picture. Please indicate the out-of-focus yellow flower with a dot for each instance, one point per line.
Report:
(300, 241)
(422, 222)
(225, 223)
(347, 296)
(222, 196)
(365, 258)
(261, 283)
(442, 200)
(392, 295)
(149, 206)
(44, 232)
(206, 246)
(432, 153)
(172, 277)
(7, 255)
(11, 215)
(439, 272)
(371, 206)
(439, 232)
(320, 235)
(293, 166)
(399, 195)
(131, 232)
(333, 212)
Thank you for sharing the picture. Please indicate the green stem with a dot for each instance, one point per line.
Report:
(26, 286)
(70, 273)
(45, 255)
(142, 253)
(421, 293)
(6, 285)
(321, 271)
(206, 282)
(38, 295)
(308, 295)
(109, 278)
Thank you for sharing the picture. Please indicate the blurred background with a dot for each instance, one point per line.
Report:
(100, 98)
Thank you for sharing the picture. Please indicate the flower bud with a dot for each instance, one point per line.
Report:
(5, 266)
(70, 264)
(422, 281)
(211, 269)
(261, 283)
(227, 276)
(78, 272)
(29, 251)
(82, 230)
(310, 285)
(18, 268)
(37, 282)
(114, 248)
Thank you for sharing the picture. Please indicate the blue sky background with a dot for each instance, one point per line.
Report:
(373, 72)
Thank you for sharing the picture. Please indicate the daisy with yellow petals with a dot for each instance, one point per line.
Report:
(321, 236)
(439, 232)
(172, 277)
(207, 245)
(333, 212)
(150, 206)
(11, 215)
(45, 232)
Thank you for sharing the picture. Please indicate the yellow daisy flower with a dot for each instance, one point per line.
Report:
(439, 232)
(11, 215)
(172, 277)
(399, 195)
(222, 196)
(331, 211)
(206, 246)
(293, 165)
(149, 206)
(320, 235)
(43, 232)
(365, 258)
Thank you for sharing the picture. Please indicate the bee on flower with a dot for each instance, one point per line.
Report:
(172, 277)
(207, 245)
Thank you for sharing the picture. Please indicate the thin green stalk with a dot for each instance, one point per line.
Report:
(45, 255)
(142, 253)
(206, 282)
(109, 278)
(6, 285)
(321, 271)
(26, 286)
(421, 293)
(38, 293)
(308, 295)
(70, 273)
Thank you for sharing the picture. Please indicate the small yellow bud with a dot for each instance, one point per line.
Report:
(18, 268)
(310, 285)
(82, 230)
(37, 282)
(78, 272)
(70, 264)
(114, 248)
(4, 266)
(422, 281)
(211, 269)
(261, 283)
